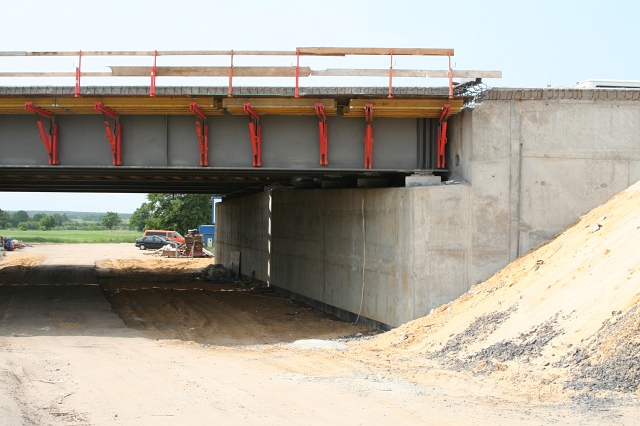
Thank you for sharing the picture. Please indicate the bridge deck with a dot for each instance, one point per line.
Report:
(162, 149)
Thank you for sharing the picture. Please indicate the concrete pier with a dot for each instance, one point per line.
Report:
(528, 166)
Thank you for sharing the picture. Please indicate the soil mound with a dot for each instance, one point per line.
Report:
(566, 313)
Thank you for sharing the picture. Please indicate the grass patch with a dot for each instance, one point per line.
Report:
(72, 236)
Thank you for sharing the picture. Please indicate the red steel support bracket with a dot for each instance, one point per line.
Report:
(202, 129)
(154, 73)
(323, 134)
(78, 71)
(368, 136)
(442, 135)
(115, 140)
(50, 139)
(255, 133)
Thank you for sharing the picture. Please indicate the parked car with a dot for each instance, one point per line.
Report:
(172, 235)
(155, 242)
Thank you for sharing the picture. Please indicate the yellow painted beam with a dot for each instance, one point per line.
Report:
(122, 105)
(402, 108)
(279, 106)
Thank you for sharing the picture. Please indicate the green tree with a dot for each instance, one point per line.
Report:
(176, 212)
(32, 225)
(138, 219)
(38, 216)
(18, 217)
(4, 219)
(111, 220)
(47, 222)
(60, 218)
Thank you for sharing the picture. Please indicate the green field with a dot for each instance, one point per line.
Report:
(72, 236)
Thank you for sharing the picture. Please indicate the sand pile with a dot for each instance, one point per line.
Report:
(568, 312)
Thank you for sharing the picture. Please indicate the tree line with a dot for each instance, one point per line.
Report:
(177, 212)
(21, 220)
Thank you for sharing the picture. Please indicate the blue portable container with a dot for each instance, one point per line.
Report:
(208, 234)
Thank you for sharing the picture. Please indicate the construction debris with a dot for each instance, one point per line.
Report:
(11, 244)
(194, 244)
(193, 247)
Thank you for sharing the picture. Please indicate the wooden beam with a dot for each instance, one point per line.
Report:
(345, 72)
(462, 74)
(320, 51)
(158, 53)
(280, 106)
(402, 108)
(164, 105)
(54, 74)
(343, 51)
(137, 71)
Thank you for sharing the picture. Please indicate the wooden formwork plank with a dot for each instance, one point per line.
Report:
(343, 51)
(138, 71)
(280, 106)
(402, 108)
(346, 72)
(122, 105)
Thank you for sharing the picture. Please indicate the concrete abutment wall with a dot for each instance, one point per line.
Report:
(320, 242)
(528, 170)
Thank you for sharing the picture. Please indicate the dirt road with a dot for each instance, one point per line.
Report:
(138, 341)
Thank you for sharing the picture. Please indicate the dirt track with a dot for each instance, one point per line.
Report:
(119, 344)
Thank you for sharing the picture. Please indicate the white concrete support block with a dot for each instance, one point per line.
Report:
(415, 181)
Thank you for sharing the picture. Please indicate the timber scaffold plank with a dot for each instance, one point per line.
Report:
(402, 108)
(140, 105)
(280, 106)
(252, 71)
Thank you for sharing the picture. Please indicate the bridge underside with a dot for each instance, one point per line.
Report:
(226, 182)
(199, 140)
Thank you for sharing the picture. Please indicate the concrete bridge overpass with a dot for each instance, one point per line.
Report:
(525, 163)
(528, 163)
(192, 139)
(223, 140)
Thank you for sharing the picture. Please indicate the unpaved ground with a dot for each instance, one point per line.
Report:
(552, 339)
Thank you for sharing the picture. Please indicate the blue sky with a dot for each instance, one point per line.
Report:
(534, 43)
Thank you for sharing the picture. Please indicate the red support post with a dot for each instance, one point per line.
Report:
(119, 145)
(78, 72)
(297, 93)
(115, 140)
(255, 133)
(202, 129)
(323, 134)
(450, 79)
(368, 136)
(442, 136)
(50, 139)
(154, 73)
(230, 93)
(390, 95)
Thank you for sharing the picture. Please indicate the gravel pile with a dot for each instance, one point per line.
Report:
(525, 346)
(479, 330)
(610, 359)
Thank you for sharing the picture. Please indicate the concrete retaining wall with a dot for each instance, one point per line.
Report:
(545, 161)
(529, 169)
(413, 256)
